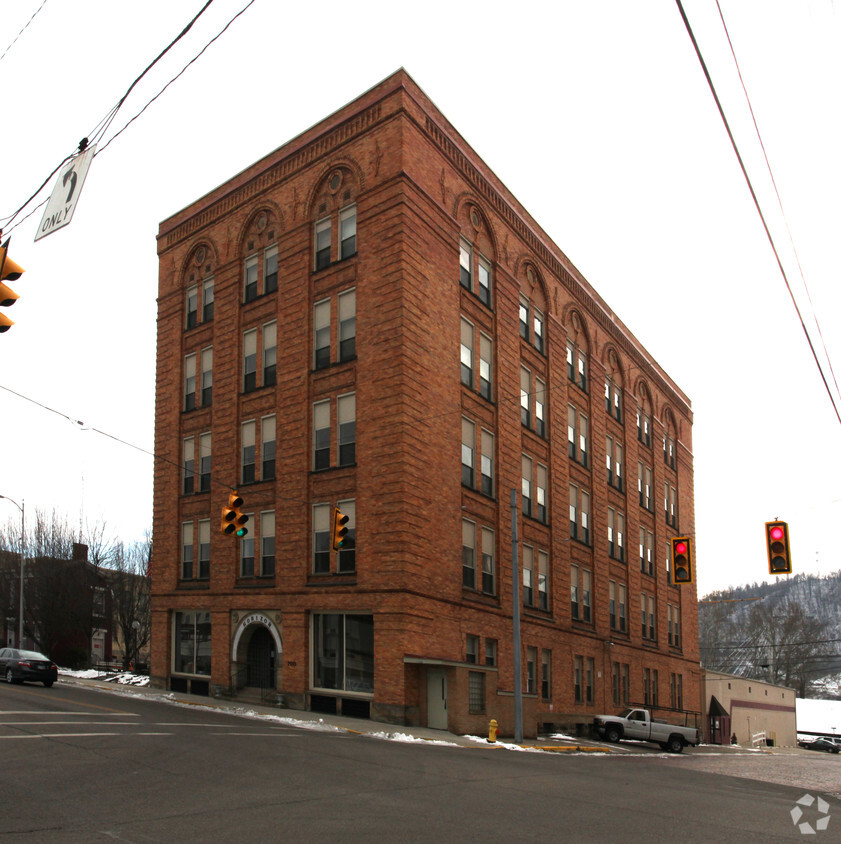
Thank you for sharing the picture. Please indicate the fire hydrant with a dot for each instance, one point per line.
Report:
(493, 729)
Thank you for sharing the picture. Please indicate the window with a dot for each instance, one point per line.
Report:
(268, 446)
(187, 551)
(648, 615)
(270, 354)
(482, 270)
(676, 691)
(669, 457)
(670, 496)
(270, 270)
(579, 514)
(646, 551)
(485, 367)
(525, 397)
(468, 448)
(616, 534)
(540, 407)
(528, 576)
(646, 686)
(618, 607)
(476, 692)
(468, 554)
(524, 319)
(321, 435)
(577, 365)
(537, 323)
(347, 232)
(487, 463)
(590, 666)
(616, 683)
(490, 651)
(190, 382)
(472, 649)
(192, 307)
(207, 300)
(466, 265)
(346, 555)
(613, 451)
(250, 279)
(528, 479)
(531, 670)
(542, 514)
(204, 462)
(578, 678)
(322, 244)
(246, 545)
(543, 580)
(347, 325)
(546, 674)
(488, 563)
(644, 486)
(207, 376)
(343, 652)
(613, 398)
(249, 452)
(466, 353)
(267, 544)
(191, 643)
(644, 426)
(674, 625)
(204, 549)
(581, 594)
(321, 334)
(249, 361)
(346, 413)
(578, 436)
(321, 517)
(189, 464)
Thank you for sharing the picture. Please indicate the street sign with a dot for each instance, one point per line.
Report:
(62, 204)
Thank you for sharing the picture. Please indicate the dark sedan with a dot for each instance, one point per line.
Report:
(820, 744)
(17, 666)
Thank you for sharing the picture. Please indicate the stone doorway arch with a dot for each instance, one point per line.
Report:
(256, 654)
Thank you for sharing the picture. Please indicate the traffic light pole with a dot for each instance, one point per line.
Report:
(515, 577)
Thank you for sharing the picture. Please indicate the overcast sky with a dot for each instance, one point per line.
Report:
(595, 115)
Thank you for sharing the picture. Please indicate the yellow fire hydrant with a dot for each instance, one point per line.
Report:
(493, 729)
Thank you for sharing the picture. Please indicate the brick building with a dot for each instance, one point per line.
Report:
(366, 318)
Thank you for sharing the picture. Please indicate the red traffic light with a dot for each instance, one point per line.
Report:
(683, 570)
(779, 553)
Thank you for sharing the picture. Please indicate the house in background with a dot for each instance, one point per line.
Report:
(750, 710)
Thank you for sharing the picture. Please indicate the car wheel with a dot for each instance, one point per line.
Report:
(9, 677)
(48, 683)
(613, 734)
(675, 744)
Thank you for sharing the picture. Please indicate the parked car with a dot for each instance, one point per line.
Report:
(821, 744)
(17, 666)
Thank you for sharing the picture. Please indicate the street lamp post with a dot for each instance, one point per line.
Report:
(20, 507)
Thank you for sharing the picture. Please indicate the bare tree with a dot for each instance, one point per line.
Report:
(129, 580)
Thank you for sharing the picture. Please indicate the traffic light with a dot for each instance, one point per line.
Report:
(779, 555)
(339, 532)
(233, 519)
(11, 271)
(682, 567)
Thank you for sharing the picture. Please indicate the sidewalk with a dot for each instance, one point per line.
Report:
(320, 720)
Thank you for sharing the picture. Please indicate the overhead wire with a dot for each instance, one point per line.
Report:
(14, 40)
(768, 234)
(102, 126)
(777, 193)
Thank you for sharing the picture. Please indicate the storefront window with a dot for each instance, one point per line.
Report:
(343, 652)
(192, 643)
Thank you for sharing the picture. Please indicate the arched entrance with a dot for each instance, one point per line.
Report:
(260, 660)
(256, 653)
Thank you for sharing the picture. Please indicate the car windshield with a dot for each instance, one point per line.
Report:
(625, 713)
(32, 655)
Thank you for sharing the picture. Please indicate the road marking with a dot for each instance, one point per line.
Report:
(78, 735)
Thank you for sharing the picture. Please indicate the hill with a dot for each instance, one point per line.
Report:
(786, 632)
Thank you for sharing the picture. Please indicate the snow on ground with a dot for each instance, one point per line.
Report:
(125, 678)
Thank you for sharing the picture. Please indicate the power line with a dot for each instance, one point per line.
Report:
(756, 203)
(14, 40)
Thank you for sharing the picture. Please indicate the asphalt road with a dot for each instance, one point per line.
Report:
(81, 765)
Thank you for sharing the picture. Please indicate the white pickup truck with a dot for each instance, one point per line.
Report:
(638, 724)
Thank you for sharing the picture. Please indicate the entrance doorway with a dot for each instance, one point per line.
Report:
(436, 698)
(260, 660)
